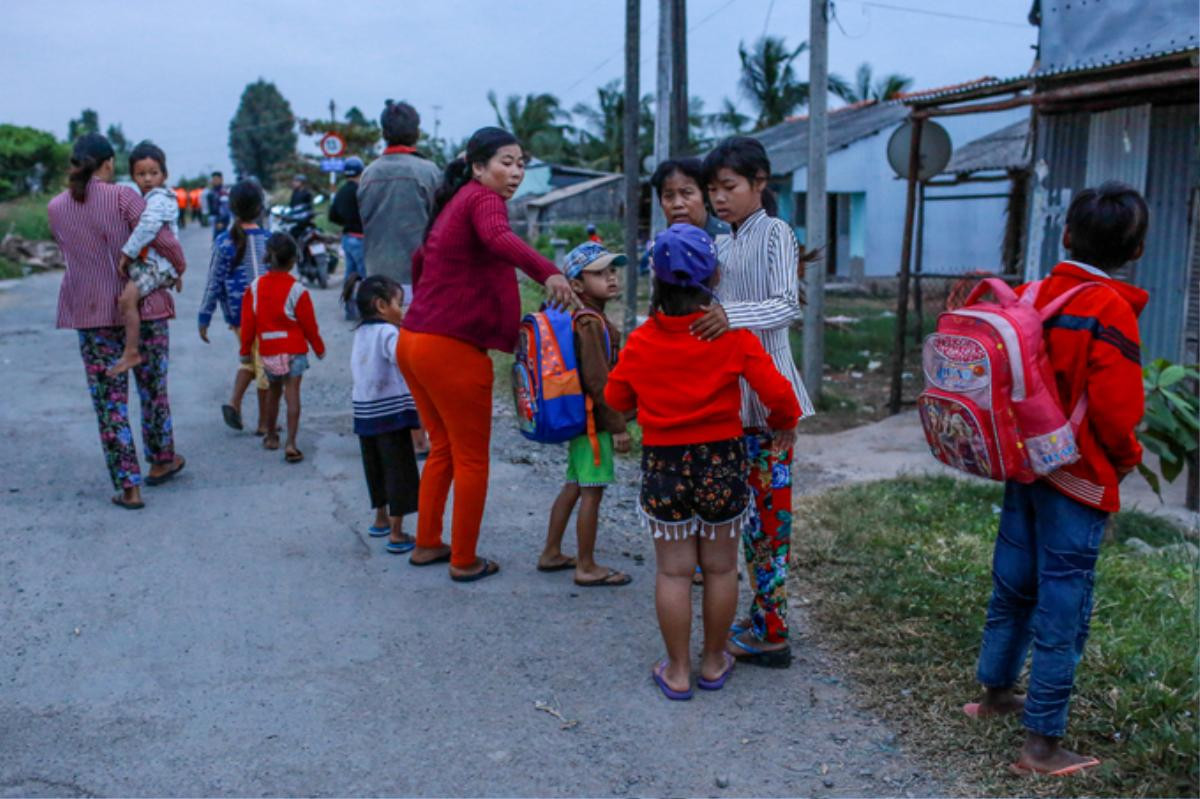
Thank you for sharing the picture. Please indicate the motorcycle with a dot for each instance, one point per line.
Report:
(317, 261)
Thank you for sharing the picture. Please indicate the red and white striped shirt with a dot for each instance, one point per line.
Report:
(91, 234)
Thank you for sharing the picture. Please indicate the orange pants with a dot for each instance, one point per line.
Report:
(451, 382)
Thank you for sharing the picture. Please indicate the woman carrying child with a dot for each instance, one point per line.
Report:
(384, 411)
(277, 313)
(91, 221)
(759, 292)
(465, 302)
(695, 497)
(239, 255)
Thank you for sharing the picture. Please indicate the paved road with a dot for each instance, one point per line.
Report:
(241, 636)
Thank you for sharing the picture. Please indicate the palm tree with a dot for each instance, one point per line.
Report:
(729, 121)
(769, 81)
(538, 120)
(863, 88)
(602, 142)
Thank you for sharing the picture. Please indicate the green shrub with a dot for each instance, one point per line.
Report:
(28, 154)
(26, 217)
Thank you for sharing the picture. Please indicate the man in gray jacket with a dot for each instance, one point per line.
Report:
(394, 197)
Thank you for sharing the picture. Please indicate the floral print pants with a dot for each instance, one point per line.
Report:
(100, 348)
(766, 538)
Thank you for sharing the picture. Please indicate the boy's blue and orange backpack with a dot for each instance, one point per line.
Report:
(549, 398)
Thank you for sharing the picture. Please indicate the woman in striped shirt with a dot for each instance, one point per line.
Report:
(91, 221)
(759, 290)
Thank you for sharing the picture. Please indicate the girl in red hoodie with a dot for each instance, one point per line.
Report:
(694, 495)
(277, 312)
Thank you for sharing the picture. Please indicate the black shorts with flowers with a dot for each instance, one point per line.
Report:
(705, 482)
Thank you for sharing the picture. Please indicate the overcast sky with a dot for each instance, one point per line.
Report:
(173, 71)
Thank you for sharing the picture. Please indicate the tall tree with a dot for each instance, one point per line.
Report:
(355, 116)
(121, 148)
(769, 81)
(729, 121)
(262, 133)
(601, 144)
(538, 120)
(864, 87)
(88, 122)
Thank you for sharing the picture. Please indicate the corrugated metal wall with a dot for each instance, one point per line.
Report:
(1118, 146)
(1171, 173)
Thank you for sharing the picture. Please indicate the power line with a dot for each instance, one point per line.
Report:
(945, 14)
(767, 20)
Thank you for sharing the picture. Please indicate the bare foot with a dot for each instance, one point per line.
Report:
(271, 441)
(714, 664)
(996, 702)
(676, 676)
(1043, 755)
(128, 361)
(422, 556)
(553, 563)
(400, 538)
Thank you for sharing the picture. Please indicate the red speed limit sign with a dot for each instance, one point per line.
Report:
(332, 145)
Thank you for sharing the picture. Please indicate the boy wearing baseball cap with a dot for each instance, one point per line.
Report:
(694, 497)
(592, 271)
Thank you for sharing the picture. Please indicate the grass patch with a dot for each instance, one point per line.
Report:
(901, 585)
(26, 217)
(10, 269)
(871, 338)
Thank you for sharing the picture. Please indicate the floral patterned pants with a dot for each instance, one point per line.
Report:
(100, 348)
(767, 536)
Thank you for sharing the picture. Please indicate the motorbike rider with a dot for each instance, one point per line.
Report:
(344, 211)
(301, 204)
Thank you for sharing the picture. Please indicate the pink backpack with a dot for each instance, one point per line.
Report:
(990, 407)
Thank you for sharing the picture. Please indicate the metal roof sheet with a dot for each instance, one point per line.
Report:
(558, 195)
(1003, 149)
(787, 143)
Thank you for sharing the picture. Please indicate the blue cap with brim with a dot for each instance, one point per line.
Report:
(684, 255)
(590, 257)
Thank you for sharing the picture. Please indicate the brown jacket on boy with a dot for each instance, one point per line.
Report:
(595, 359)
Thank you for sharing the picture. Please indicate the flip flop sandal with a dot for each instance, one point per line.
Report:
(232, 417)
(606, 580)
(439, 559)
(151, 480)
(295, 456)
(378, 532)
(399, 547)
(767, 658)
(738, 629)
(489, 568)
(1074, 768)
(668, 691)
(569, 563)
(120, 502)
(719, 682)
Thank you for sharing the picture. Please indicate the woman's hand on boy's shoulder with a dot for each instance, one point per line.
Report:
(712, 325)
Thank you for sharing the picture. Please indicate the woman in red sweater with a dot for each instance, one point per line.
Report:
(694, 496)
(465, 302)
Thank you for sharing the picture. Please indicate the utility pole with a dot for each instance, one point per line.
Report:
(437, 123)
(662, 104)
(679, 81)
(815, 222)
(332, 112)
(633, 12)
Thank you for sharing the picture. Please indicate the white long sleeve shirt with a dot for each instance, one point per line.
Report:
(161, 209)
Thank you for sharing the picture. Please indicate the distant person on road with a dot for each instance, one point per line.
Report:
(466, 302)
(218, 204)
(384, 410)
(147, 270)
(592, 271)
(760, 292)
(181, 199)
(694, 497)
(195, 206)
(1044, 565)
(344, 211)
(91, 221)
(301, 193)
(239, 255)
(395, 196)
(278, 316)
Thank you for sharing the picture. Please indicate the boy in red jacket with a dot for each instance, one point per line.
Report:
(278, 312)
(1045, 559)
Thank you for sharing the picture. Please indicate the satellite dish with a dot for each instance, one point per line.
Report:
(934, 151)
(649, 163)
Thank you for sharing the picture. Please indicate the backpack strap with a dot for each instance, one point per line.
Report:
(1000, 290)
(1052, 308)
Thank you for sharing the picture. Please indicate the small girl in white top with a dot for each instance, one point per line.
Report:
(384, 411)
(146, 269)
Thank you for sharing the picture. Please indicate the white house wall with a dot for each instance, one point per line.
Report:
(959, 235)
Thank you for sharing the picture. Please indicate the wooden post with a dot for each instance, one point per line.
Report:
(816, 211)
(910, 202)
(918, 264)
(662, 105)
(633, 12)
(679, 82)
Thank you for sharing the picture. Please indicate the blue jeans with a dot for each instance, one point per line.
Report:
(352, 247)
(1043, 571)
